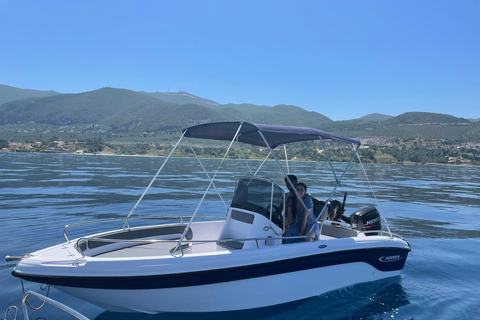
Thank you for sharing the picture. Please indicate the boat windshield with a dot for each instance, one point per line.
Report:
(259, 195)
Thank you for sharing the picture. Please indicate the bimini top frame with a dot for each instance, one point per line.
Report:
(274, 135)
(263, 135)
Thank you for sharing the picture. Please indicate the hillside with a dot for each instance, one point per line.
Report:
(472, 133)
(295, 116)
(281, 114)
(98, 106)
(425, 118)
(182, 97)
(125, 111)
(247, 108)
(114, 113)
(376, 117)
(8, 93)
(120, 109)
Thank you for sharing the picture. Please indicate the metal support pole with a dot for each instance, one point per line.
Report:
(205, 170)
(206, 191)
(328, 158)
(154, 178)
(57, 304)
(284, 173)
(286, 158)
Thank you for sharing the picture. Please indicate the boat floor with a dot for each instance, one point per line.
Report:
(160, 249)
(166, 248)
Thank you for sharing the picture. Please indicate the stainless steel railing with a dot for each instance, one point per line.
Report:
(45, 299)
(7, 312)
(181, 218)
(179, 246)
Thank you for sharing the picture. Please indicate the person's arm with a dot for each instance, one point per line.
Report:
(304, 222)
(289, 219)
(309, 204)
(289, 216)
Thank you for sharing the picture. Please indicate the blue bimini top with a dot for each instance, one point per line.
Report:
(275, 135)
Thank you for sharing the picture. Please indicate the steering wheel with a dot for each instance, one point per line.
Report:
(275, 211)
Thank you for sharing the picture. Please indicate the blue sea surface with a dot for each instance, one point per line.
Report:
(435, 208)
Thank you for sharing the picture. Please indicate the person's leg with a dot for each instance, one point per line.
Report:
(292, 232)
(314, 234)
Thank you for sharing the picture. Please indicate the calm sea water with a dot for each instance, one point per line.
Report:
(436, 208)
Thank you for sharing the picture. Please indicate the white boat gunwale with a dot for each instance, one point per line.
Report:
(231, 272)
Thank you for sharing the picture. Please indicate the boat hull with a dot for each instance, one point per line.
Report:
(232, 280)
(233, 295)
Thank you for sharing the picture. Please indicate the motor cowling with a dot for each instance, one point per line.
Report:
(366, 219)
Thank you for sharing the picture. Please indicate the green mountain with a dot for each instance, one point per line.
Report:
(122, 110)
(376, 117)
(125, 112)
(247, 108)
(472, 133)
(182, 97)
(8, 93)
(294, 116)
(425, 118)
(280, 114)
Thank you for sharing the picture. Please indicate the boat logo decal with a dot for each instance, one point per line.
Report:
(390, 258)
(323, 246)
(370, 222)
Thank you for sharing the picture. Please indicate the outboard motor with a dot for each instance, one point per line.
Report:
(366, 219)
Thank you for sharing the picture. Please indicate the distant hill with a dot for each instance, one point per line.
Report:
(425, 125)
(8, 93)
(376, 117)
(126, 112)
(292, 115)
(89, 107)
(123, 110)
(472, 133)
(182, 97)
(247, 108)
(419, 118)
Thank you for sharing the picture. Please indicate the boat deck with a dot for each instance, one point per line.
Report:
(161, 249)
(166, 248)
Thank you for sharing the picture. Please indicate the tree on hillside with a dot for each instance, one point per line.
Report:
(4, 143)
(94, 145)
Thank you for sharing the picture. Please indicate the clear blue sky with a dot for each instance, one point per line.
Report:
(343, 59)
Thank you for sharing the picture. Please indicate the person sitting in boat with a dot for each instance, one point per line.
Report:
(304, 220)
(291, 194)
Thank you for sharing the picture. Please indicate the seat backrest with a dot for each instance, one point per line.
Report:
(317, 209)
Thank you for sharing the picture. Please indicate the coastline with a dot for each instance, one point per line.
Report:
(294, 159)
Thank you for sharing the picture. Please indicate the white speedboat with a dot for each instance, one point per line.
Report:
(231, 263)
